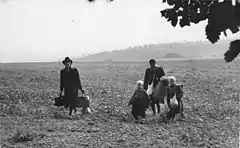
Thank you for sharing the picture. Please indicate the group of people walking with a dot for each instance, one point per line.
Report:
(70, 84)
(142, 98)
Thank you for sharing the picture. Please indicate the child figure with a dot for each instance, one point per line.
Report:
(140, 101)
(174, 89)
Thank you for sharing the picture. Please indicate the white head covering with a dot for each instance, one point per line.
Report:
(172, 78)
(140, 82)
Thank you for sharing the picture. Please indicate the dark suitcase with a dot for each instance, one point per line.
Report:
(59, 101)
(81, 101)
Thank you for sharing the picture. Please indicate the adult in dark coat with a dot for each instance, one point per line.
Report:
(153, 73)
(70, 83)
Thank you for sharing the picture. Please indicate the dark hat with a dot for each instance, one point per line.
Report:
(67, 59)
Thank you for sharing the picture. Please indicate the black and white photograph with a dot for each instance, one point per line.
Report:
(119, 73)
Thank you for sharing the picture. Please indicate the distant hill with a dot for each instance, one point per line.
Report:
(173, 55)
(187, 50)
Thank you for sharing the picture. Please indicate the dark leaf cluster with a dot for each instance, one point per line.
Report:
(220, 15)
(233, 51)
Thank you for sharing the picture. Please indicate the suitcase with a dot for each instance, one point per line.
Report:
(81, 101)
(59, 101)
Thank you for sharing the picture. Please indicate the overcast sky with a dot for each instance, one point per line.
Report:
(47, 30)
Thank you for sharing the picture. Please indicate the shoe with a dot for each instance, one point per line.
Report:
(70, 117)
(143, 121)
(136, 121)
(75, 113)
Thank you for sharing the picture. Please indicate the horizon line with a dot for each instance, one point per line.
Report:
(127, 48)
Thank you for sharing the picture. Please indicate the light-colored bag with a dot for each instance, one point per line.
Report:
(174, 102)
(150, 87)
(164, 106)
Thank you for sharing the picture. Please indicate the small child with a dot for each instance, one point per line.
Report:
(140, 102)
(174, 89)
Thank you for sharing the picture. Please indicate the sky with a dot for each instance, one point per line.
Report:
(49, 30)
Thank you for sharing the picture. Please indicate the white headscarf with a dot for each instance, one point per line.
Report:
(172, 78)
(140, 82)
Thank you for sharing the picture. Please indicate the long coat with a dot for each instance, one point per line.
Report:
(148, 78)
(140, 100)
(70, 83)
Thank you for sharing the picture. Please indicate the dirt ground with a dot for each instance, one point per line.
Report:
(29, 119)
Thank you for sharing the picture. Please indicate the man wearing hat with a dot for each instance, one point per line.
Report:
(70, 83)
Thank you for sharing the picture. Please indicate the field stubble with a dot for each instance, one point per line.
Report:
(29, 119)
